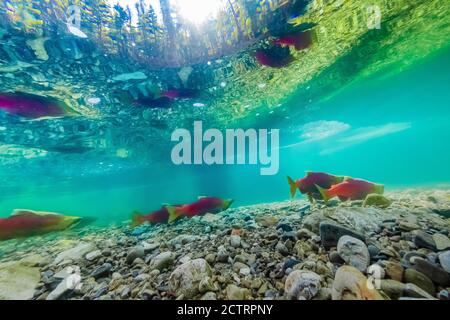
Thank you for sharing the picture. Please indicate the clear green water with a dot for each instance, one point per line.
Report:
(382, 116)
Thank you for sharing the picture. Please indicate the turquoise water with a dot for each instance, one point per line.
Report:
(391, 130)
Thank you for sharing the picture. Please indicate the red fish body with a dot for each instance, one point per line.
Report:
(26, 223)
(156, 217)
(351, 189)
(31, 106)
(308, 185)
(273, 59)
(300, 41)
(200, 207)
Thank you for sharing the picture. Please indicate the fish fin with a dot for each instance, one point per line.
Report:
(324, 193)
(347, 178)
(308, 173)
(174, 213)
(293, 186)
(201, 197)
(310, 198)
(24, 213)
(137, 219)
(227, 203)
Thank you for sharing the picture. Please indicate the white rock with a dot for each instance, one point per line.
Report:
(91, 256)
(75, 254)
(302, 285)
(186, 278)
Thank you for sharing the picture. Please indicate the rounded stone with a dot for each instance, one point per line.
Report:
(302, 285)
(354, 252)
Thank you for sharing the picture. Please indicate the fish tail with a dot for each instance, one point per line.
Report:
(324, 193)
(174, 213)
(137, 219)
(293, 186)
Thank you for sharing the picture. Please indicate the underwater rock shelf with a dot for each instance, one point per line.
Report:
(288, 250)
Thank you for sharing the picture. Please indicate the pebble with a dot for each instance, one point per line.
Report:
(424, 240)
(302, 285)
(420, 280)
(411, 290)
(436, 274)
(185, 279)
(444, 260)
(162, 261)
(209, 296)
(408, 226)
(394, 289)
(373, 250)
(282, 249)
(335, 258)
(102, 271)
(444, 295)
(133, 254)
(236, 293)
(394, 270)
(93, 255)
(290, 263)
(235, 241)
(354, 252)
(442, 242)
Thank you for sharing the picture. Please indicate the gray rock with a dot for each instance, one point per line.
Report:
(17, 281)
(162, 261)
(91, 256)
(102, 271)
(235, 241)
(133, 254)
(354, 252)
(392, 288)
(411, 290)
(75, 254)
(373, 250)
(302, 285)
(142, 277)
(209, 296)
(185, 279)
(420, 280)
(282, 249)
(442, 241)
(436, 274)
(330, 233)
(444, 259)
(424, 240)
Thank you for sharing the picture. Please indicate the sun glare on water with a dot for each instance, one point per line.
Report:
(199, 11)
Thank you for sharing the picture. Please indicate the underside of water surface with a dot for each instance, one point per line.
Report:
(91, 92)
